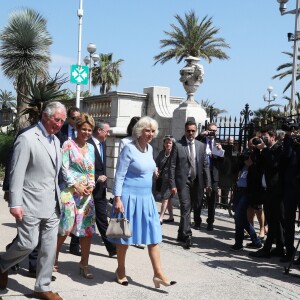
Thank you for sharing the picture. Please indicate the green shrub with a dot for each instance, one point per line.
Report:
(6, 141)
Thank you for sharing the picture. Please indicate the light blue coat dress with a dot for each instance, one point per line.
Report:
(133, 182)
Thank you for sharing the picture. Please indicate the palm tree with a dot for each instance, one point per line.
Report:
(41, 92)
(209, 108)
(7, 100)
(24, 51)
(107, 74)
(288, 67)
(192, 38)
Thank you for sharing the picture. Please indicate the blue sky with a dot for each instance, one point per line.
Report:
(132, 29)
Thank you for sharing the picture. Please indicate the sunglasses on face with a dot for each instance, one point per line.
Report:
(191, 130)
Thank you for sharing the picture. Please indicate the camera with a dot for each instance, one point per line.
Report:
(287, 123)
(258, 140)
(211, 133)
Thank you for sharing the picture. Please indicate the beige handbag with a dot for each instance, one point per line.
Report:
(118, 228)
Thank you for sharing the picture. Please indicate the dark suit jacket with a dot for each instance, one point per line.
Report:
(180, 165)
(63, 134)
(99, 191)
(216, 160)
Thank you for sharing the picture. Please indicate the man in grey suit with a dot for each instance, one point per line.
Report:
(34, 198)
(189, 175)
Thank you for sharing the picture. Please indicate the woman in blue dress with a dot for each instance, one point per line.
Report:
(133, 195)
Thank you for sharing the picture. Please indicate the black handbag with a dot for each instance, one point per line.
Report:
(159, 179)
(158, 184)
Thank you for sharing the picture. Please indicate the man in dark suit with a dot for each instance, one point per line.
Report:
(100, 134)
(189, 175)
(269, 160)
(68, 132)
(215, 156)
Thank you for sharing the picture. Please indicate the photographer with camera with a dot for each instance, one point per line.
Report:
(215, 156)
(291, 183)
(246, 179)
(270, 162)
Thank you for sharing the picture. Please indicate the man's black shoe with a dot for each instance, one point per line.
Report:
(254, 245)
(210, 227)
(75, 250)
(277, 252)
(236, 247)
(112, 253)
(197, 226)
(188, 242)
(32, 274)
(261, 253)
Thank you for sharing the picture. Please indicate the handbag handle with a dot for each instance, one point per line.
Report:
(117, 215)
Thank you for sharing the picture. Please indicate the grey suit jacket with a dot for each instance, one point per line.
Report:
(34, 174)
(180, 165)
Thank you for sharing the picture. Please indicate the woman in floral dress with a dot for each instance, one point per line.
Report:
(78, 210)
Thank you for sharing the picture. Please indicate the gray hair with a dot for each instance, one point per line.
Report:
(99, 125)
(143, 123)
(54, 106)
(280, 134)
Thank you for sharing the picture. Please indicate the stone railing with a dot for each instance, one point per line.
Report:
(99, 107)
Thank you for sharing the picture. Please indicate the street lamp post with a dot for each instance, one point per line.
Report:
(292, 37)
(80, 15)
(91, 48)
(268, 99)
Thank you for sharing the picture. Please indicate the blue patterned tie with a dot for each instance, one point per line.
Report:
(73, 134)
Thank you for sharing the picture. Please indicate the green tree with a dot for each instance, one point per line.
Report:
(287, 70)
(107, 74)
(208, 106)
(193, 38)
(24, 51)
(7, 100)
(42, 91)
(71, 95)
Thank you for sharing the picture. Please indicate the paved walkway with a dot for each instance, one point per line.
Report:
(206, 271)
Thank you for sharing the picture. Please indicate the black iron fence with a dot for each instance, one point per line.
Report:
(237, 131)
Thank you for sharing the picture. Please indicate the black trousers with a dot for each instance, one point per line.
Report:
(273, 205)
(291, 203)
(102, 223)
(211, 202)
(190, 197)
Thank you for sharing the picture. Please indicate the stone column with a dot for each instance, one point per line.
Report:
(191, 76)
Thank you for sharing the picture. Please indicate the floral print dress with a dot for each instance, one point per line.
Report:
(78, 212)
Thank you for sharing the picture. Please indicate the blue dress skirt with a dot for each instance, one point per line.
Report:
(133, 182)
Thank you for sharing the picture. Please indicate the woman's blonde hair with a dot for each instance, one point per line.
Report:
(84, 118)
(144, 122)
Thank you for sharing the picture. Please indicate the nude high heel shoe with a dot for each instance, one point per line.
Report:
(122, 281)
(157, 282)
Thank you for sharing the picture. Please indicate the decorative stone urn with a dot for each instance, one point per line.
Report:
(191, 76)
